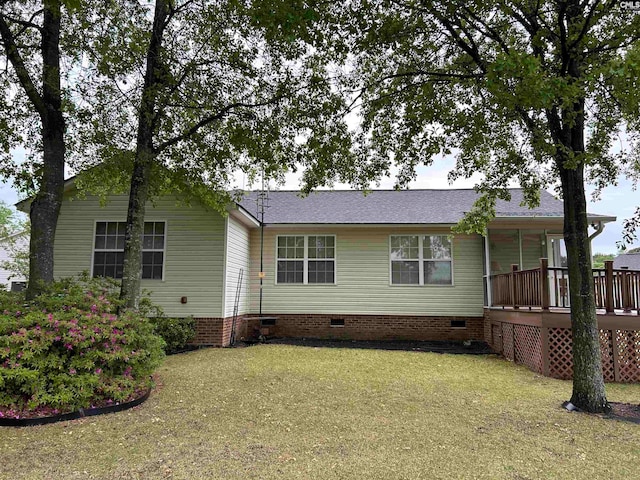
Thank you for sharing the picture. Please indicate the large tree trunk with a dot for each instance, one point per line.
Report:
(45, 207)
(588, 383)
(141, 177)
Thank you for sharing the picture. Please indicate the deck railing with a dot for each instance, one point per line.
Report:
(546, 287)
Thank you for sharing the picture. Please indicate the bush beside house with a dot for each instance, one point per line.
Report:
(69, 350)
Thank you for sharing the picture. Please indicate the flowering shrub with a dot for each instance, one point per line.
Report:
(69, 349)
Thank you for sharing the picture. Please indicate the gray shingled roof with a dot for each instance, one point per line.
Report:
(629, 260)
(389, 206)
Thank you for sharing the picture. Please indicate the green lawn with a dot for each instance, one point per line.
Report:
(285, 412)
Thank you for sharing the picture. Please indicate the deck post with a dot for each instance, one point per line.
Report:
(544, 338)
(544, 283)
(608, 286)
(616, 354)
(626, 292)
(514, 269)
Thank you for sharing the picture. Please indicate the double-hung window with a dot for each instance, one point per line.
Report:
(306, 259)
(420, 260)
(108, 252)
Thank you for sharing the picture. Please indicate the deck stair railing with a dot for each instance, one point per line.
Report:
(545, 287)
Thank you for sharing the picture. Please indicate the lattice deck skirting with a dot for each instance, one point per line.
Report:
(546, 348)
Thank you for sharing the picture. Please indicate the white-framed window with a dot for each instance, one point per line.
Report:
(108, 249)
(421, 260)
(306, 259)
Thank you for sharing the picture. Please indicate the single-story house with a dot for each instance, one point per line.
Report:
(336, 264)
(627, 260)
(9, 248)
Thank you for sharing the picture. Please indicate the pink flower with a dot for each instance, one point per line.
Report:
(57, 339)
(72, 371)
(94, 308)
(68, 346)
(98, 371)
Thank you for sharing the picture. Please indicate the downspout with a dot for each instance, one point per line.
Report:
(261, 259)
(599, 228)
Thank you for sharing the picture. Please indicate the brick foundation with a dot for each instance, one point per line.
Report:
(217, 331)
(373, 327)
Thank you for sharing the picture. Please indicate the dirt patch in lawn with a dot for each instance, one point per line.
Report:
(627, 412)
(470, 348)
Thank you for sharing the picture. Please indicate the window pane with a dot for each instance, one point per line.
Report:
(158, 242)
(120, 242)
(148, 228)
(147, 241)
(98, 270)
(437, 247)
(404, 247)
(100, 241)
(112, 228)
(146, 271)
(157, 272)
(321, 272)
(101, 228)
(157, 258)
(147, 258)
(290, 271)
(111, 242)
(159, 228)
(282, 252)
(405, 273)
(437, 273)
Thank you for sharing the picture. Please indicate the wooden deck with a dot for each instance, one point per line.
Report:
(616, 292)
(541, 340)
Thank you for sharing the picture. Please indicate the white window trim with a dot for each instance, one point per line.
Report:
(421, 260)
(305, 260)
(146, 220)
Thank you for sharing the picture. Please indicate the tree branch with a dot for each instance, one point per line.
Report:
(211, 119)
(20, 68)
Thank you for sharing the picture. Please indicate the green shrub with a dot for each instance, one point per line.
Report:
(176, 332)
(69, 349)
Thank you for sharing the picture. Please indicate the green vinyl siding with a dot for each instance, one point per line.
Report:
(194, 250)
(237, 259)
(504, 250)
(362, 277)
(533, 248)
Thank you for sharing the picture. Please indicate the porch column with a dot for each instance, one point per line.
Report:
(487, 267)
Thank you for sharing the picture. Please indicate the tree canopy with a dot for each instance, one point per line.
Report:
(531, 91)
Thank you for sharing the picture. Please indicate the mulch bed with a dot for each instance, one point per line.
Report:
(627, 412)
(473, 348)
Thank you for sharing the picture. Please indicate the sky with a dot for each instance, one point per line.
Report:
(619, 201)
